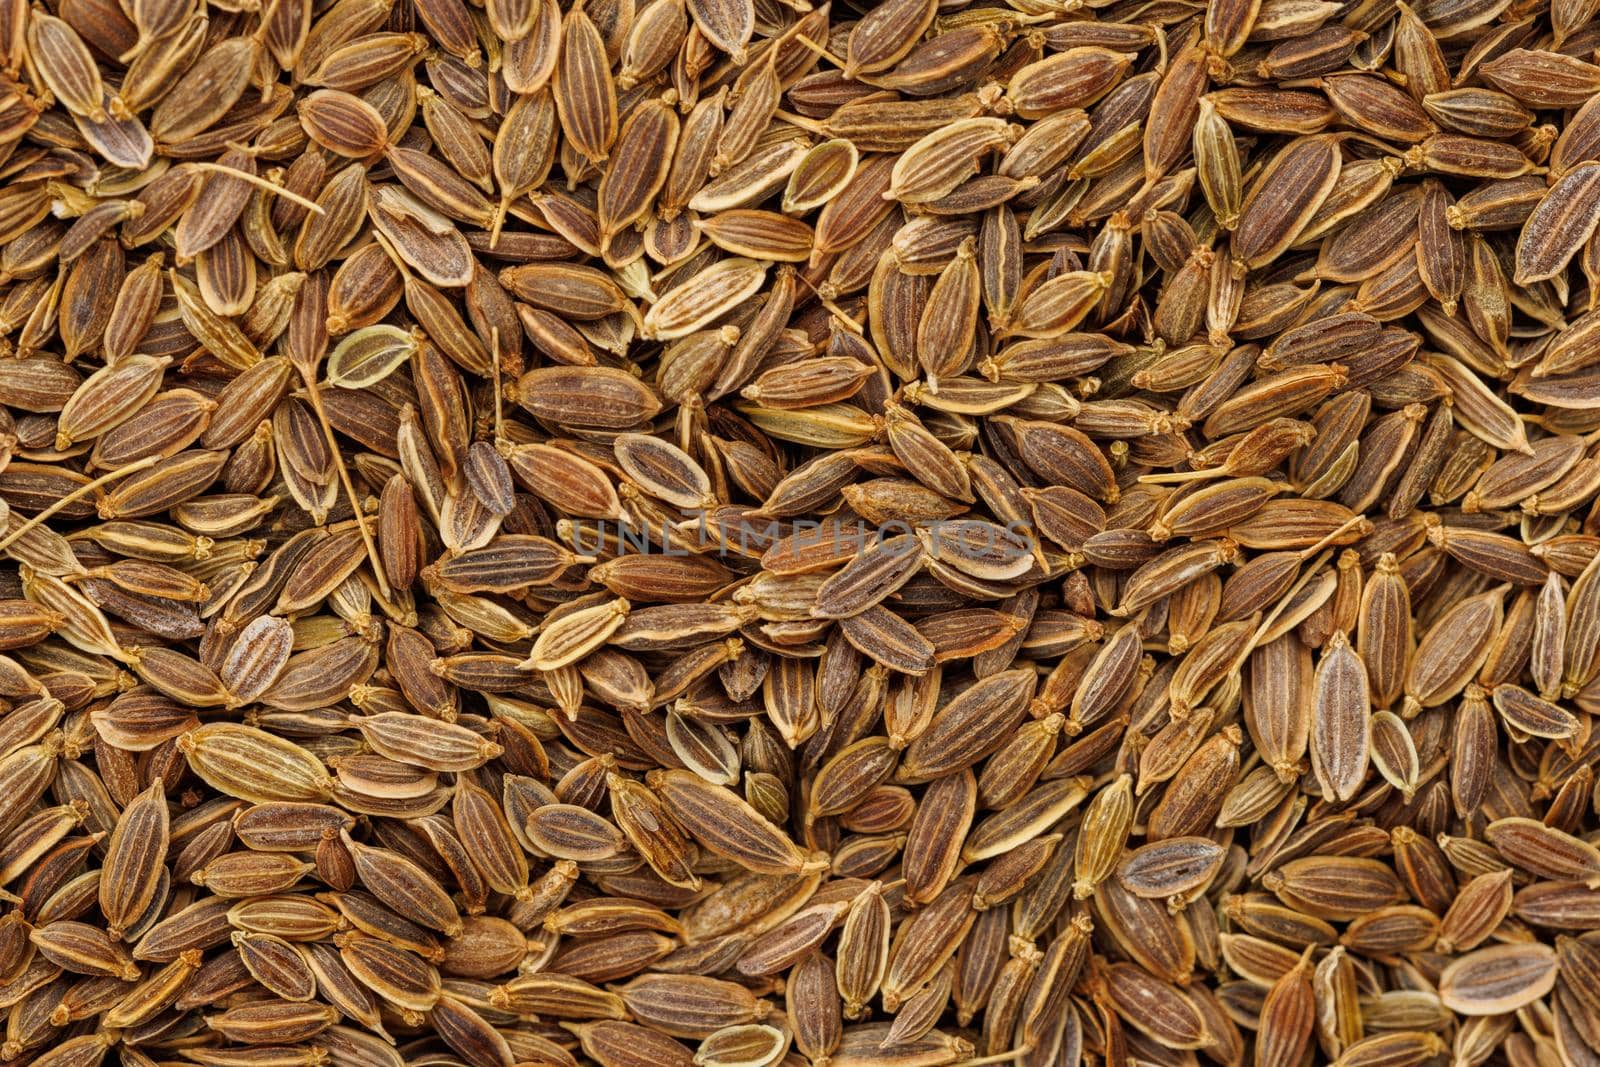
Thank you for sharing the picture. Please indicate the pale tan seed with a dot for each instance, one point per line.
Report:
(254, 765)
(1340, 732)
(1492, 980)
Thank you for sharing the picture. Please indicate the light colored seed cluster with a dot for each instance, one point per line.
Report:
(758, 533)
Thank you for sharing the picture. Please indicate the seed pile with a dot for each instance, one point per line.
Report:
(740, 533)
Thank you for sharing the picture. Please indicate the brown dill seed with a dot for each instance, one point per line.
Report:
(719, 533)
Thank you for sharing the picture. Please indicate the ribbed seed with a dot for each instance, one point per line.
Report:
(135, 858)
